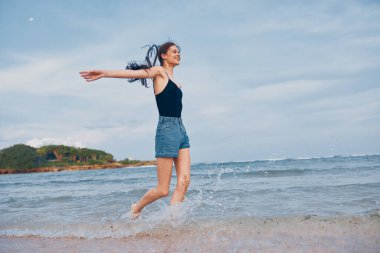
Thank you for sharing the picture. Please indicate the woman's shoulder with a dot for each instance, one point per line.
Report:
(159, 69)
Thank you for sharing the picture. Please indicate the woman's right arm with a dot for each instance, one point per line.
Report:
(92, 75)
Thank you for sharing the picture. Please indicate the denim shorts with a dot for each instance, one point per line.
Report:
(170, 137)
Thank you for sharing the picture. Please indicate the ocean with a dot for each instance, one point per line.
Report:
(328, 204)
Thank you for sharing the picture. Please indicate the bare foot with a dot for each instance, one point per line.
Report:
(134, 211)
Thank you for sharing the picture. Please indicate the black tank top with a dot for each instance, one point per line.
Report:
(169, 100)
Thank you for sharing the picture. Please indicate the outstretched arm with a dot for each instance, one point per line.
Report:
(92, 75)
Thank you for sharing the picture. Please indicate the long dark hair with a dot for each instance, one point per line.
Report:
(154, 51)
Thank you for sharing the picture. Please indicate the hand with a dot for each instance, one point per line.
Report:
(92, 75)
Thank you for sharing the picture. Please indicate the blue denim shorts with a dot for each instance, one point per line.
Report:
(171, 136)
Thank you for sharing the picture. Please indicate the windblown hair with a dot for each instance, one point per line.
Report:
(154, 53)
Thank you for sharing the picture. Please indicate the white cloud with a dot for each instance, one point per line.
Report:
(38, 142)
(39, 75)
(288, 91)
(346, 108)
(365, 41)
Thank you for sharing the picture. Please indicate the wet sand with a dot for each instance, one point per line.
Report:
(280, 234)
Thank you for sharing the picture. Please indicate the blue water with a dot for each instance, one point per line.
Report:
(94, 203)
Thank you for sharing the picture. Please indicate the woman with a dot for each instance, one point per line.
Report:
(171, 143)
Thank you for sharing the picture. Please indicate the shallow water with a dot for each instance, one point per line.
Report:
(230, 207)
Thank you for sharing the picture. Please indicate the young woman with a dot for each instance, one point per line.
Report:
(171, 141)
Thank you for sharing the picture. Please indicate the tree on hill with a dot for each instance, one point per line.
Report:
(19, 156)
(129, 161)
(67, 153)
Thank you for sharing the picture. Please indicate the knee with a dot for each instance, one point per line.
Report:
(163, 192)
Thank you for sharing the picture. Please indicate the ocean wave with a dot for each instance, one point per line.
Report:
(289, 159)
(270, 172)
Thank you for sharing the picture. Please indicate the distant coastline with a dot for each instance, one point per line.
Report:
(77, 167)
(21, 158)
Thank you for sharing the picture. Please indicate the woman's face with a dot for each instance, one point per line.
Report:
(172, 56)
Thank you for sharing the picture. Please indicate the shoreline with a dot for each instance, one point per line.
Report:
(114, 165)
(247, 234)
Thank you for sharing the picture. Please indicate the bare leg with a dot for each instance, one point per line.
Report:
(182, 165)
(164, 174)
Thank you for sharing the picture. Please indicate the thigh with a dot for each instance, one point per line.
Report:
(182, 163)
(164, 172)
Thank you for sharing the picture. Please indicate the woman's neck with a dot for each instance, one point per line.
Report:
(169, 69)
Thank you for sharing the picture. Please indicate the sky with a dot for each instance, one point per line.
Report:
(261, 79)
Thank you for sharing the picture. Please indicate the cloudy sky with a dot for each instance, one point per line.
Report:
(261, 79)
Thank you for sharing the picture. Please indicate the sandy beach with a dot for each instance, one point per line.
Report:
(286, 234)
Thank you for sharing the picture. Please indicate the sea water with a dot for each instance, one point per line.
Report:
(329, 204)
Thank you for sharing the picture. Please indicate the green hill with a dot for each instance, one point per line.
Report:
(22, 157)
(19, 157)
